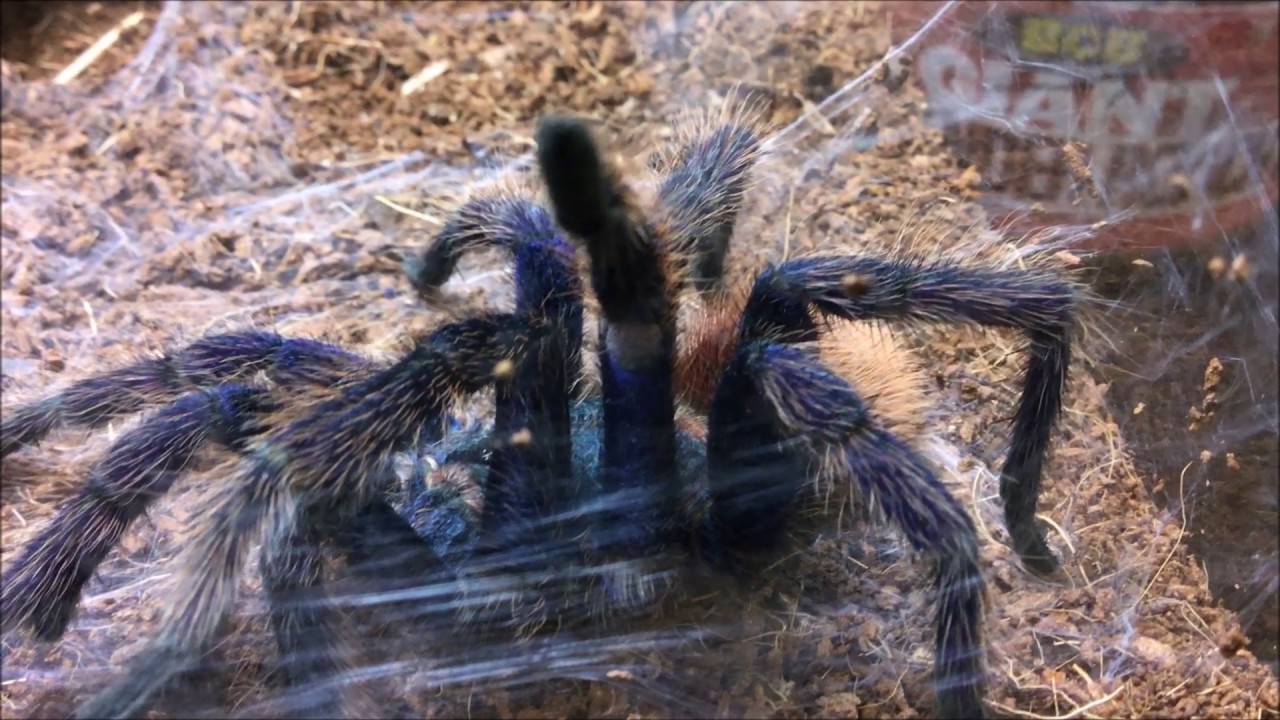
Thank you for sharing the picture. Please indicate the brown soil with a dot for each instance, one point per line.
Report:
(1209, 343)
(228, 165)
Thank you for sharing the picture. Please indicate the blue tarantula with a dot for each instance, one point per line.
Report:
(693, 443)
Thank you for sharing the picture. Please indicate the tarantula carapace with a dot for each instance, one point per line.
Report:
(695, 439)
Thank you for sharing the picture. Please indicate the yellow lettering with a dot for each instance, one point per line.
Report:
(1041, 35)
(1123, 47)
(1081, 43)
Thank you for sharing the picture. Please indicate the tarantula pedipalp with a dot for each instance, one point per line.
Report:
(699, 444)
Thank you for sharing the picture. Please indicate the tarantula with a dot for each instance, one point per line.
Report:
(693, 442)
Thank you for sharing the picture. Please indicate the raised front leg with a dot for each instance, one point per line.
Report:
(628, 275)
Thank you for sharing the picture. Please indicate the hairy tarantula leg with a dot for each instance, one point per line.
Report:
(385, 554)
(636, 363)
(43, 589)
(212, 360)
(778, 417)
(474, 226)
(331, 457)
(526, 477)
(865, 288)
(389, 552)
(496, 221)
(531, 466)
(206, 590)
(703, 194)
(382, 551)
(302, 617)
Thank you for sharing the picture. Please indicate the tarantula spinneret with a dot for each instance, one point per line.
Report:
(695, 440)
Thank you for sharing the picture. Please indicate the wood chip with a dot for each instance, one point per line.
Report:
(424, 76)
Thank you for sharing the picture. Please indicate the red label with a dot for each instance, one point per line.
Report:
(1172, 106)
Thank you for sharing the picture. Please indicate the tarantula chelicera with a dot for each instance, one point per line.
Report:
(696, 440)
